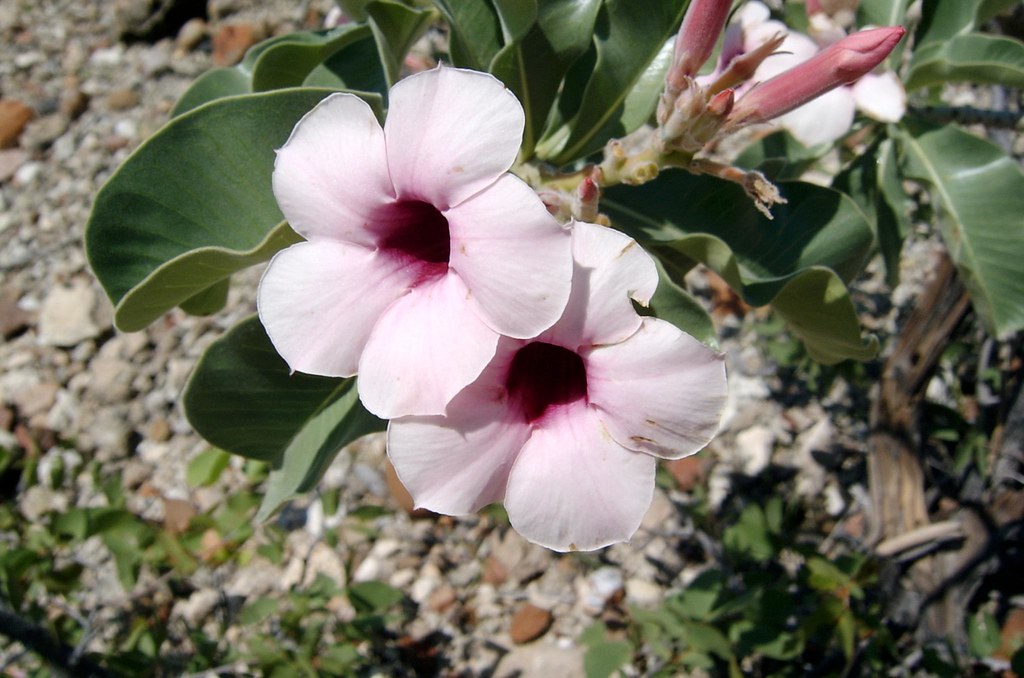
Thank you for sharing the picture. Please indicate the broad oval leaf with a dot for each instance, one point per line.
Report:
(533, 67)
(872, 180)
(671, 302)
(633, 52)
(797, 263)
(942, 19)
(279, 62)
(974, 57)
(214, 84)
(979, 195)
(395, 28)
(288, 60)
(243, 398)
(516, 17)
(197, 194)
(476, 32)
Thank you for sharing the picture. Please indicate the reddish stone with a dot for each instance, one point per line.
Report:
(1013, 633)
(529, 623)
(178, 515)
(231, 41)
(14, 115)
(688, 472)
(495, 572)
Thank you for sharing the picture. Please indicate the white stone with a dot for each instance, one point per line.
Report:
(66, 316)
(541, 660)
(754, 450)
(598, 587)
(642, 593)
(198, 607)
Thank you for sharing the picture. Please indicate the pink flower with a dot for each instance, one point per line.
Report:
(420, 248)
(566, 428)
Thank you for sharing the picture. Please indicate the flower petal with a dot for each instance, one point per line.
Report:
(661, 391)
(821, 120)
(319, 300)
(573, 488)
(458, 463)
(450, 132)
(426, 347)
(514, 257)
(610, 269)
(881, 96)
(332, 174)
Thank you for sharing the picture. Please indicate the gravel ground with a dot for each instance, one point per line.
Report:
(84, 392)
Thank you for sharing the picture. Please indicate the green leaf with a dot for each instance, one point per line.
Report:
(209, 300)
(243, 399)
(708, 639)
(990, 8)
(825, 576)
(973, 57)
(282, 61)
(605, 658)
(699, 598)
(1017, 661)
(797, 263)
(533, 67)
(217, 83)
(193, 204)
(979, 194)
(673, 303)
(476, 34)
(355, 67)
(258, 611)
(633, 52)
(983, 635)
(942, 19)
(287, 60)
(355, 9)
(373, 596)
(891, 213)
(780, 156)
(516, 18)
(206, 467)
(395, 28)
(750, 536)
(341, 420)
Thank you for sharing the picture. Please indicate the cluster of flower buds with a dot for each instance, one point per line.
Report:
(693, 110)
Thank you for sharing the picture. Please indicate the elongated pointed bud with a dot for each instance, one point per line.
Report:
(588, 195)
(837, 65)
(743, 67)
(703, 23)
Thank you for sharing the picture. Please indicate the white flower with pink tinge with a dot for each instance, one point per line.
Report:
(566, 428)
(421, 250)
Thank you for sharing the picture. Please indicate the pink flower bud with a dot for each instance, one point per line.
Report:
(701, 27)
(813, 7)
(840, 64)
(721, 104)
